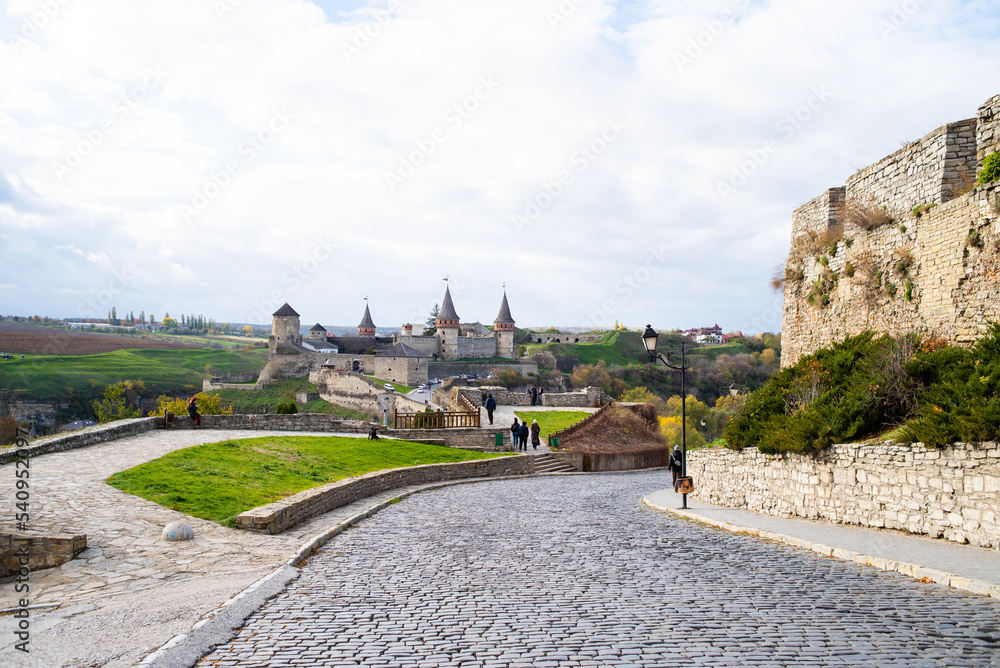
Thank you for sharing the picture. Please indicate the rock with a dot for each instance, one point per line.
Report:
(177, 531)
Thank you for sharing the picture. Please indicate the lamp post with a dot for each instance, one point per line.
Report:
(649, 338)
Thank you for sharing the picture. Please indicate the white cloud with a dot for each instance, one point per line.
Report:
(323, 176)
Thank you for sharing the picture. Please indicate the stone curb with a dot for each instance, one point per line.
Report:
(912, 570)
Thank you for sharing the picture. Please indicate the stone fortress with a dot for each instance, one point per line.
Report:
(403, 358)
(910, 244)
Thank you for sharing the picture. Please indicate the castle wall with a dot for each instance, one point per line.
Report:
(358, 392)
(293, 363)
(988, 128)
(819, 214)
(468, 346)
(950, 288)
(428, 345)
(925, 171)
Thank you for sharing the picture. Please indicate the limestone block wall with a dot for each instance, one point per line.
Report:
(280, 515)
(478, 346)
(988, 128)
(82, 438)
(950, 287)
(46, 551)
(952, 493)
(922, 172)
(428, 345)
(447, 369)
(819, 214)
(591, 397)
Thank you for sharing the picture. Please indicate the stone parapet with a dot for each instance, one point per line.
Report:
(82, 438)
(950, 493)
(280, 515)
(44, 551)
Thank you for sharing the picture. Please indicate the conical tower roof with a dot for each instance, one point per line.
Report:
(366, 322)
(504, 317)
(285, 310)
(447, 311)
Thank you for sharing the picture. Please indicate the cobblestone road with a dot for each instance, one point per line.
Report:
(574, 572)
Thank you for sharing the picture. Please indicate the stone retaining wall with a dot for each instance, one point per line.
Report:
(280, 515)
(950, 493)
(84, 437)
(43, 551)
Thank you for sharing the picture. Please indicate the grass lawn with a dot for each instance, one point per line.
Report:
(552, 421)
(402, 389)
(163, 371)
(267, 399)
(218, 481)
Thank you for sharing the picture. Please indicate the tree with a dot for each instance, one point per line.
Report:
(168, 322)
(430, 325)
(208, 404)
(247, 330)
(640, 395)
(115, 405)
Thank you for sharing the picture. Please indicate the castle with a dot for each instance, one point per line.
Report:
(403, 358)
(909, 245)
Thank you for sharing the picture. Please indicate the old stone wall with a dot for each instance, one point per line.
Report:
(43, 551)
(934, 273)
(819, 214)
(359, 392)
(950, 493)
(82, 438)
(469, 346)
(988, 128)
(280, 515)
(448, 369)
(591, 397)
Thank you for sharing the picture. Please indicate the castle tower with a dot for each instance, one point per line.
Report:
(503, 330)
(284, 328)
(367, 327)
(447, 324)
(317, 331)
(407, 330)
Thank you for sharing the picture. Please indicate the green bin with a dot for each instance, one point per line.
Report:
(499, 438)
(554, 442)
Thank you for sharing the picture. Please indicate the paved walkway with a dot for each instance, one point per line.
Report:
(575, 571)
(130, 592)
(891, 550)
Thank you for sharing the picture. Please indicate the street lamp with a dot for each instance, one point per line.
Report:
(649, 338)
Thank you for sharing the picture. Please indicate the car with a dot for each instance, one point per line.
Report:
(421, 387)
(389, 387)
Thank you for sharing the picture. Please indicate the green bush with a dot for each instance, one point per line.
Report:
(286, 408)
(991, 169)
(864, 386)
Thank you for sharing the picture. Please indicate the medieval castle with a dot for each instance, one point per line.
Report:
(909, 244)
(402, 358)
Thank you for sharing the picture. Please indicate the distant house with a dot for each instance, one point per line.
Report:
(704, 334)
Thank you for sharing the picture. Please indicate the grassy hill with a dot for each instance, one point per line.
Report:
(162, 371)
(267, 399)
(624, 348)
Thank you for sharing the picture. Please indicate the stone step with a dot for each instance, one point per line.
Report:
(546, 463)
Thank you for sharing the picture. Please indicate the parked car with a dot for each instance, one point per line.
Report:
(389, 387)
(421, 387)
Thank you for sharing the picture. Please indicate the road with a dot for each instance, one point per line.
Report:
(572, 571)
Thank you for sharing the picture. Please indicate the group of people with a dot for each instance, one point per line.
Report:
(519, 433)
(536, 395)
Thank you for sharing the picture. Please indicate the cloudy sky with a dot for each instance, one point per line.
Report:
(606, 160)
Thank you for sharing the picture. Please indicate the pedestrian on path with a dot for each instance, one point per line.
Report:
(491, 405)
(193, 412)
(674, 464)
(515, 431)
(534, 396)
(523, 433)
(535, 431)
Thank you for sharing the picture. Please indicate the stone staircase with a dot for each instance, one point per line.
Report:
(548, 463)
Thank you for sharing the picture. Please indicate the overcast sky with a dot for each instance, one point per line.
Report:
(606, 160)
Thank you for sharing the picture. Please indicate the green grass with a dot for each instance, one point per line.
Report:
(218, 481)
(265, 400)
(402, 389)
(162, 371)
(614, 348)
(552, 421)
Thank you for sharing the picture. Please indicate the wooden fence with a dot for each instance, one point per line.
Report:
(437, 420)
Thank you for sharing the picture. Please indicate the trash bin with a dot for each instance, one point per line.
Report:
(554, 442)
(499, 438)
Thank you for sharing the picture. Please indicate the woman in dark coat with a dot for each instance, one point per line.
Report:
(193, 412)
(535, 431)
(523, 435)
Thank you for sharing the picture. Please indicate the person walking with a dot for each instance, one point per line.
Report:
(491, 405)
(674, 464)
(515, 431)
(523, 435)
(535, 431)
(193, 412)
(534, 396)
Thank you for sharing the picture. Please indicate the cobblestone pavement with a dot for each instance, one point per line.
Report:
(574, 572)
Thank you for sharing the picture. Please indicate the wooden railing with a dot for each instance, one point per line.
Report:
(437, 420)
(467, 405)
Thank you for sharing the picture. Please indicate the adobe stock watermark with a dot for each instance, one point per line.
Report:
(562, 13)
(901, 14)
(454, 118)
(247, 152)
(121, 109)
(713, 30)
(224, 7)
(627, 287)
(769, 320)
(293, 278)
(100, 300)
(366, 34)
(585, 155)
(787, 126)
(47, 11)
